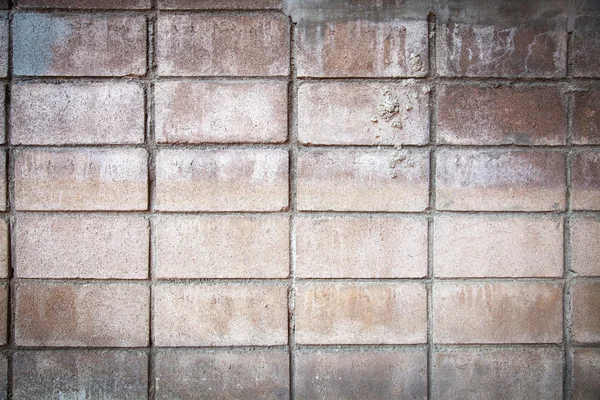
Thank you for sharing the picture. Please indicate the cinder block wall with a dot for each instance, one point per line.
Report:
(312, 200)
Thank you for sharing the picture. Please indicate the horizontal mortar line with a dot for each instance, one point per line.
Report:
(81, 349)
(427, 280)
(144, 79)
(151, 212)
(515, 80)
(500, 279)
(147, 213)
(458, 80)
(205, 349)
(430, 146)
(312, 213)
(494, 346)
(384, 280)
(159, 146)
(428, 213)
(575, 278)
(240, 281)
(157, 282)
(305, 148)
(562, 213)
(423, 346)
(356, 214)
(403, 81)
(140, 12)
(359, 347)
(276, 348)
(309, 280)
(303, 347)
(591, 345)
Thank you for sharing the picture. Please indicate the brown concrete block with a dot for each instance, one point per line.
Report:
(585, 303)
(54, 246)
(498, 246)
(586, 374)
(224, 375)
(221, 246)
(475, 374)
(537, 49)
(585, 236)
(361, 374)
(78, 45)
(362, 48)
(363, 113)
(500, 180)
(586, 116)
(586, 43)
(222, 180)
(585, 181)
(350, 180)
(82, 315)
(43, 374)
(511, 312)
(361, 313)
(220, 315)
(249, 45)
(77, 113)
(81, 179)
(506, 115)
(221, 112)
(361, 247)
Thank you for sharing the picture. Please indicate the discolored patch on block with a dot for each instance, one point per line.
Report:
(487, 50)
(184, 374)
(585, 178)
(506, 115)
(477, 374)
(514, 312)
(368, 374)
(77, 374)
(222, 180)
(200, 45)
(361, 313)
(350, 180)
(500, 180)
(78, 45)
(362, 48)
(82, 315)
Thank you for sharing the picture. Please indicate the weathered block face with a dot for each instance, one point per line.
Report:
(300, 199)
(78, 45)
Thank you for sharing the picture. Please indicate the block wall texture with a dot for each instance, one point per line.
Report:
(250, 199)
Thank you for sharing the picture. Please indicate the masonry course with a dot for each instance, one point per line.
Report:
(299, 199)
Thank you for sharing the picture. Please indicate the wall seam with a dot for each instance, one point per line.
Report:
(151, 147)
(11, 309)
(432, 75)
(293, 161)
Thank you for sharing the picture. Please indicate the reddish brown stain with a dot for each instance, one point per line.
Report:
(100, 45)
(488, 50)
(505, 115)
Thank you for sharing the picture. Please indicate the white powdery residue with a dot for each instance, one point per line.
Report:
(264, 168)
(484, 170)
(454, 54)
(370, 167)
(79, 395)
(319, 45)
(491, 48)
(116, 165)
(381, 36)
